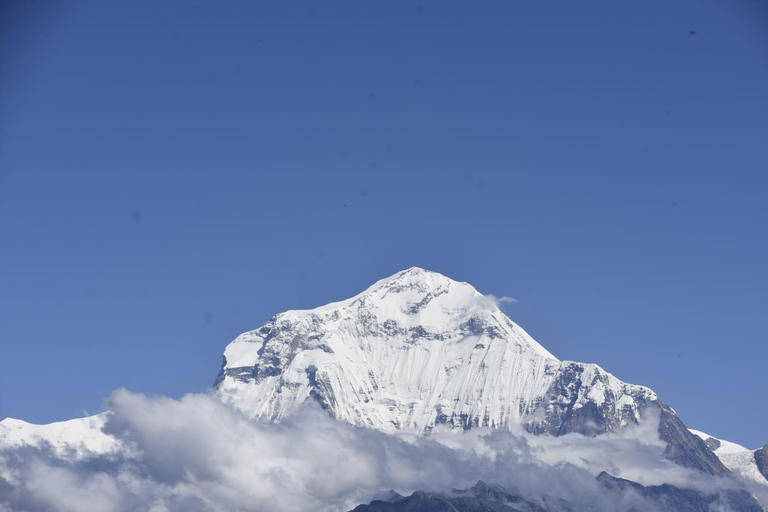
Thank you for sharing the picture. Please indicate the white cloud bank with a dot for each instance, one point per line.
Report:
(197, 454)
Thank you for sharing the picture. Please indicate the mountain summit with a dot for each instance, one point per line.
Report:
(417, 350)
(413, 350)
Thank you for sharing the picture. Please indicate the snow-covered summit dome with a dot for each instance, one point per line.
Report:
(412, 351)
(413, 298)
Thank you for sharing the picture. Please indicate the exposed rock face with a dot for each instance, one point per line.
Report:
(584, 398)
(484, 497)
(761, 458)
(418, 350)
(481, 497)
(674, 499)
(685, 448)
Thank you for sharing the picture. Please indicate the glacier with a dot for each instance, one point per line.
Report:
(740, 460)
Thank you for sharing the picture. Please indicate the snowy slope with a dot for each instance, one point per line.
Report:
(413, 351)
(74, 439)
(737, 458)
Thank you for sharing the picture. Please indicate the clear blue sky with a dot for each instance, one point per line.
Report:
(174, 173)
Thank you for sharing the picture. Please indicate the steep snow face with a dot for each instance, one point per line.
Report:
(720, 446)
(413, 351)
(735, 457)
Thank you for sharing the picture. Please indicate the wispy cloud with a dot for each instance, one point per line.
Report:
(493, 301)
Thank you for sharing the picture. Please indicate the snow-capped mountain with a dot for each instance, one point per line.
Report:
(417, 350)
(413, 353)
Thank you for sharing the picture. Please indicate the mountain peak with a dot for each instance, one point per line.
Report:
(414, 349)
(415, 270)
(414, 295)
(417, 276)
(418, 273)
(417, 350)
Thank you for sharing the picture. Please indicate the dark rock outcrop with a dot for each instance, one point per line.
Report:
(564, 413)
(668, 498)
(761, 458)
(480, 498)
(494, 498)
(685, 448)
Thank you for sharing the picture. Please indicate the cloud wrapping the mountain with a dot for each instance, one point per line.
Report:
(485, 302)
(199, 454)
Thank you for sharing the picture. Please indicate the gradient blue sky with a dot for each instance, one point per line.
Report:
(174, 173)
